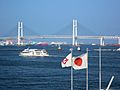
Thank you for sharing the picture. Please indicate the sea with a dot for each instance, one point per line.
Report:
(45, 73)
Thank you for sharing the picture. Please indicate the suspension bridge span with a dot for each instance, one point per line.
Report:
(20, 36)
(101, 38)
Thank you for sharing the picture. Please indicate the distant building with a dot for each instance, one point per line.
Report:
(42, 43)
(9, 42)
(58, 43)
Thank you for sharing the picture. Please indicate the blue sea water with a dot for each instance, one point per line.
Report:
(46, 73)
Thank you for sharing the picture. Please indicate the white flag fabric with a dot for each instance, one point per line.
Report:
(80, 62)
(67, 61)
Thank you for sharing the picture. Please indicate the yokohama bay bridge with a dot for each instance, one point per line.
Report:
(20, 36)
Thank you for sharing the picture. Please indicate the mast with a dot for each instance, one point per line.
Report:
(100, 68)
(71, 70)
(87, 72)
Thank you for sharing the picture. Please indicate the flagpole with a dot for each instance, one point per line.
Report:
(71, 78)
(87, 72)
(100, 68)
(71, 70)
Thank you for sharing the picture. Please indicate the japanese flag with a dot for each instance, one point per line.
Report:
(67, 61)
(80, 62)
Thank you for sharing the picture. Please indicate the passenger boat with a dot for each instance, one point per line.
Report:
(34, 52)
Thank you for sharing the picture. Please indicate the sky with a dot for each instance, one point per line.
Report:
(46, 17)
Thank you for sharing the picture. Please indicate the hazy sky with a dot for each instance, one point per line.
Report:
(51, 16)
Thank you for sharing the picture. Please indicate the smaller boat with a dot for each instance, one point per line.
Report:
(34, 52)
(93, 44)
(42, 44)
(59, 47)
(118, 49)
(78, 48)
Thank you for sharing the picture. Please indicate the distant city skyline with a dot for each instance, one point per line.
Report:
(100, 17)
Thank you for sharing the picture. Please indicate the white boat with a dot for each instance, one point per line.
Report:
(93, 44)
(34, 52)
(118, 49)
(59, 47)
(78, 48)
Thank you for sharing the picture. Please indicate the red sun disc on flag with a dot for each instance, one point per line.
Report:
(78, 61)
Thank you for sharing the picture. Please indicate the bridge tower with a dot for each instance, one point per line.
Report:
(74, 32)
(20, 33)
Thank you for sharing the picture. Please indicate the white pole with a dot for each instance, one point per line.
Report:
(87, 72)
(71, 70)
(110, 83)
(71, 78)
(100, 68)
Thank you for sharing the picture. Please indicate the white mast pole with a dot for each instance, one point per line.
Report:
(87, 72)
(71, 78)
(100, 68)
(71, 70)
